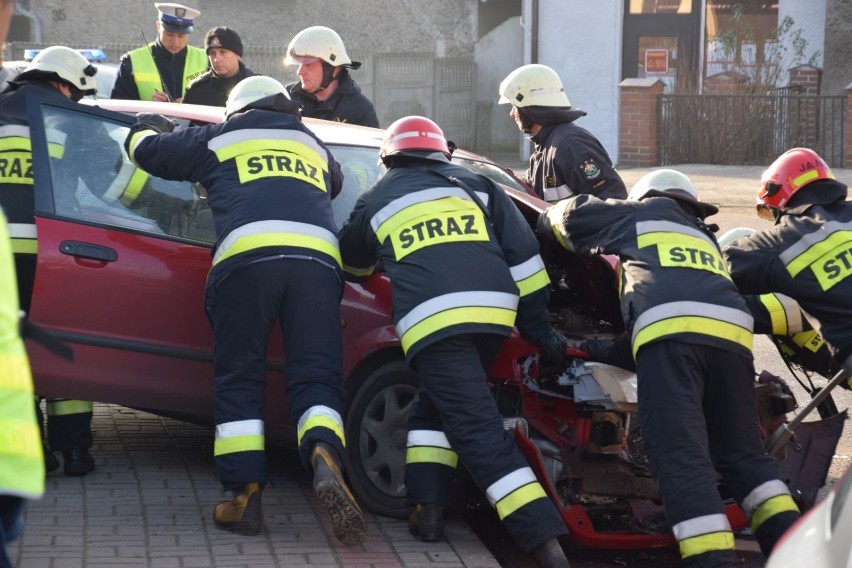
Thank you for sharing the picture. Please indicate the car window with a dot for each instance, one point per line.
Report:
(491, 171)
(361, 171)
(94, 181)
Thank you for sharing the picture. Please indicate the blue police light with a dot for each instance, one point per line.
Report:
(90, 54)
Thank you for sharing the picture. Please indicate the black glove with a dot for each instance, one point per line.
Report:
(555, 346)
(156, 122)
(543, 227)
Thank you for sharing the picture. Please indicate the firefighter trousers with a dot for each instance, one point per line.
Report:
(455, 412)
(303, 296)
(698, 414)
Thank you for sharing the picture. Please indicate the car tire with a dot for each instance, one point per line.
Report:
(376, 434)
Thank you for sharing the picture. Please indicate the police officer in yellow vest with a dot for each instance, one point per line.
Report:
(22, 465)
(161, 70)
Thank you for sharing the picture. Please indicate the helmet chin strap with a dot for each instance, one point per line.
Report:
(526, 124)
(328, 78)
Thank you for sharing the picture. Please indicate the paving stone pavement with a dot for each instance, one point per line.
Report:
(149, 503)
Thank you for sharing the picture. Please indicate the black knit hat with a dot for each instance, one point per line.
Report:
(224, 38)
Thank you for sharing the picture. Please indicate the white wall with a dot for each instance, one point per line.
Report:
(497, 54)
(582, 40)
(810, 18)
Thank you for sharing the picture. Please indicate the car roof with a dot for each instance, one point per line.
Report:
(330, 132)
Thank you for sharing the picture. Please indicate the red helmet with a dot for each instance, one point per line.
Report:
(414, 134)
(792, 171)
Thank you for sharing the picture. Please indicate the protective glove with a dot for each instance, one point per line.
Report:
(156, 122)
(847, 366)
(550, 224)
(555, 346)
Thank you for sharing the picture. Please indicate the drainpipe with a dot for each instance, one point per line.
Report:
(19, 11)
(534, 32)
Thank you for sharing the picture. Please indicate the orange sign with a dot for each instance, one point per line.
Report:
(656, 61)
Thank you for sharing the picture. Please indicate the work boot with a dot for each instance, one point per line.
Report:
(346, 516)
(78, 462)
(549, 554)
(243, 514)
(51, 462)
(427, 522)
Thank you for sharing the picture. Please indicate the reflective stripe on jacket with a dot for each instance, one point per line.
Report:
(454, 267)
(674, 282)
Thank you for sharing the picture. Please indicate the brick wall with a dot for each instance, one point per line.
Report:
(847, 160)
(807, 78)
(637, 139)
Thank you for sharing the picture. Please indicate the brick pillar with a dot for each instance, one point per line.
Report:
(847, 159)
(637, 136)
(807, 78)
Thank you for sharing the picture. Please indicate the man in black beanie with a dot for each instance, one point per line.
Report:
(224, 51)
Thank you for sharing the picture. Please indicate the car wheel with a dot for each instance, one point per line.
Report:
(376, 433)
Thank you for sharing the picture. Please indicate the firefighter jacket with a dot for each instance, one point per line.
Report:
(269, 183)
(22, 466)
(140, 74)
(457, 263)
(210, 89)
(673, 281)
(568, 160)
(346, 104)
(16, 176)
(805, 256)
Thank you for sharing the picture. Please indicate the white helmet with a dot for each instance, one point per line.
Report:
(252, 89)
(318, 43)
(68, 65)
(533, 85)
(731, 235)
(669, 183)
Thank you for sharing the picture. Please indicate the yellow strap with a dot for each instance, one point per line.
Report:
(696, 545)
(518, 498)
(428, 454)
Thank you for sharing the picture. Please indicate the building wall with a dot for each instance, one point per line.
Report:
(447, 27)
(581, 40)
(838, 49)
(497, 54)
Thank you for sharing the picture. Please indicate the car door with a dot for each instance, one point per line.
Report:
(122, 262)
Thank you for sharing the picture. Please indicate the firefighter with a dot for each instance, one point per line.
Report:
(162, 69)
(568, 159)
(270, 182)
(462, 262)
(225, 51)
(805, 254)
(691, 337)
(325, 89)
(55, 73)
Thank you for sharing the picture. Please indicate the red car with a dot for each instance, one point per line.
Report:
(123, 284)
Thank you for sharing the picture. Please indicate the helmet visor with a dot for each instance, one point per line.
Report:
(766, 212)
(293, 59)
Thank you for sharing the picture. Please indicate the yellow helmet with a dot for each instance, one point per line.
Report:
(533, 85)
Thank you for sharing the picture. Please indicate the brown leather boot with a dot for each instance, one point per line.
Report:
(346, 516)
(549, 554)
(243, 514)
(427, 522)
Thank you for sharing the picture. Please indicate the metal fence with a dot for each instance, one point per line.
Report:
(399, 84)
(749, 129)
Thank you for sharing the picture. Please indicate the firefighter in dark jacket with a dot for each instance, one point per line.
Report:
(691, 337)
(325, 89)
(224, 50)
(161, 70)
(805, 254)
(269, 182)
(58, 73)
(462, 262)
(568, 159)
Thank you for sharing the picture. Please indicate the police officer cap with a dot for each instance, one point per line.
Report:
(176, 18)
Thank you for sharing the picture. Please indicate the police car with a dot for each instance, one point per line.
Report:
(107, 72)
(121, 280)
